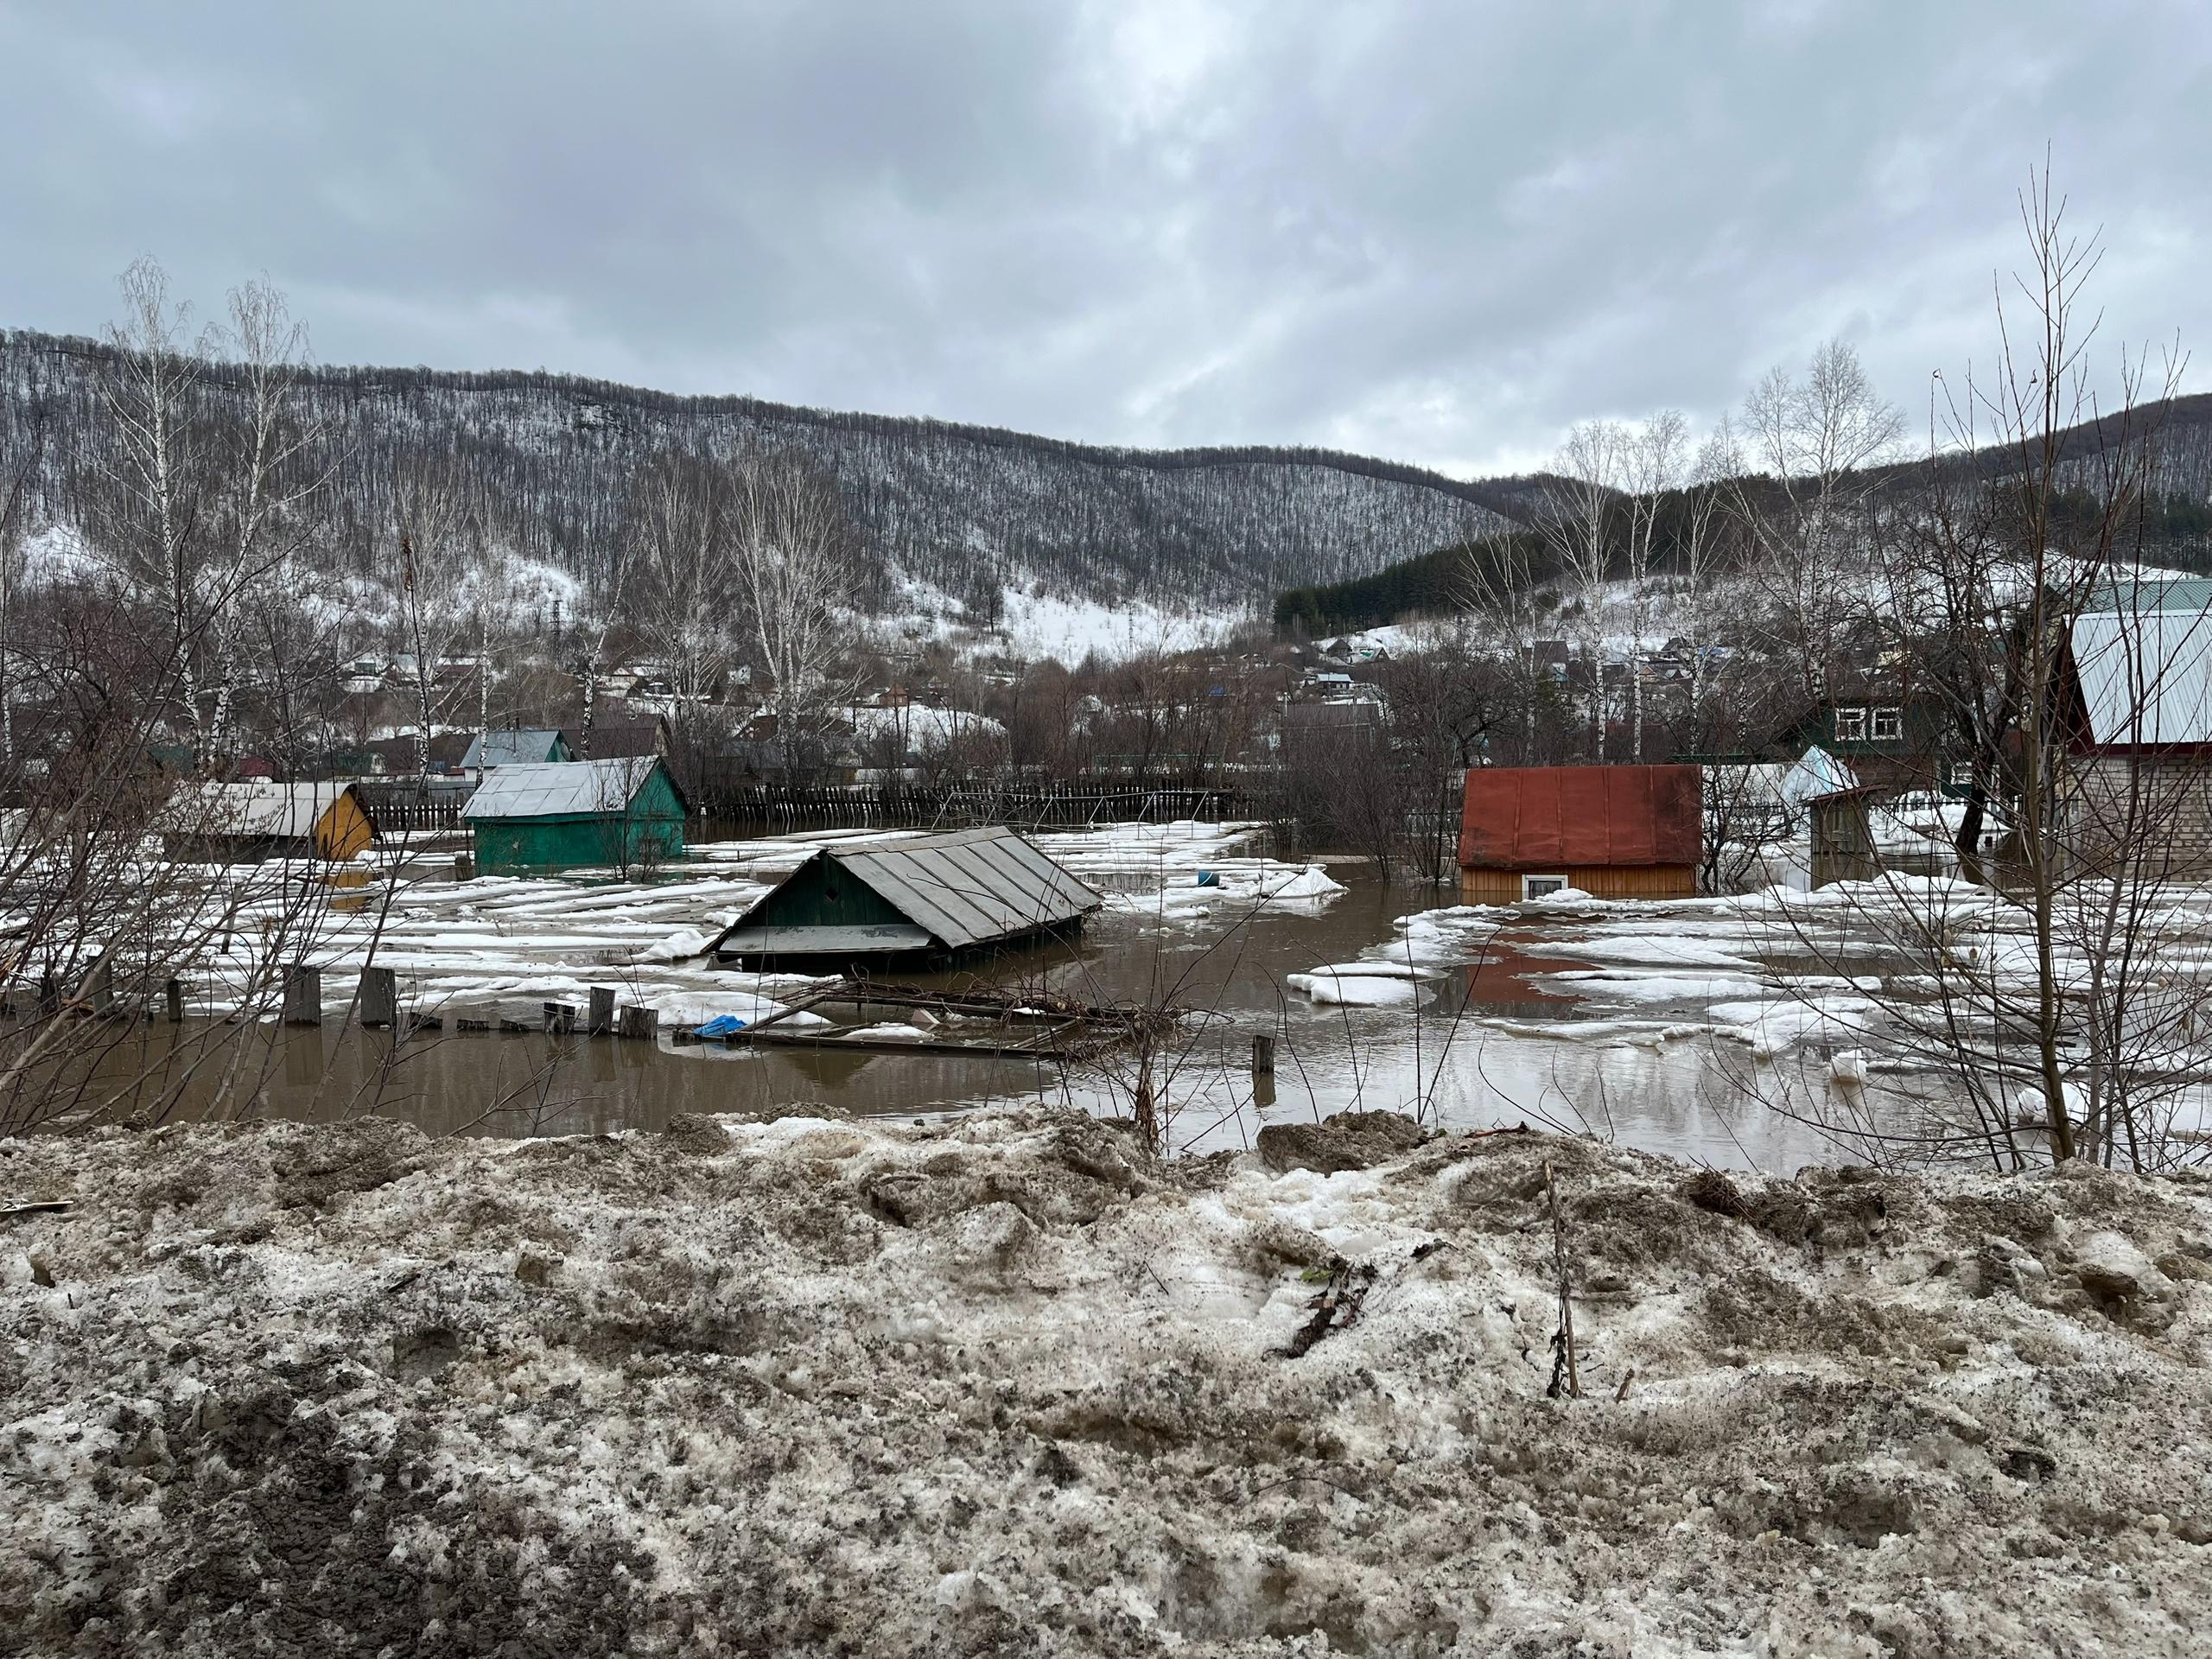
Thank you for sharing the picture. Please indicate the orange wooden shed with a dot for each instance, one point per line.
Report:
(1616, 832)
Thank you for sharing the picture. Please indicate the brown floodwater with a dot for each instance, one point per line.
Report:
(1482, 1045)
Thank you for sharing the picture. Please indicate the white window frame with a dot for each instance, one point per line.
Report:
(1556, 884)
(1885, 725)
(1850, 725)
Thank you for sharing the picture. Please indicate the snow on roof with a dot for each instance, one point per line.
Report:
(556, 789)
(2146, 673)
(283, 811)
(921, 726)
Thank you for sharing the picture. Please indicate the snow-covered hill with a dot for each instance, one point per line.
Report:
(969, 511)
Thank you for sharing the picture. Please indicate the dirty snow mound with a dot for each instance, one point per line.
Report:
(1007, 1385)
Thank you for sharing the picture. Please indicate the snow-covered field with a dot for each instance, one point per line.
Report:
(1005, 1386)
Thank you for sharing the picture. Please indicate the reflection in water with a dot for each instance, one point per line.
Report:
(1471, 1052)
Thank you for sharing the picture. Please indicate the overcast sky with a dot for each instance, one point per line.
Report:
(1438, 232)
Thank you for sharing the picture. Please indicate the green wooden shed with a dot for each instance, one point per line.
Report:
(558, 815)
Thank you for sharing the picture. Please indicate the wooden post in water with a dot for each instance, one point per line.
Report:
(639, 1022)
(303, 996)
(561, 1018)
(99, 989)
(1263, 1054)
(602, 1011)
(49, 996)
(173, 996)
(379, 997)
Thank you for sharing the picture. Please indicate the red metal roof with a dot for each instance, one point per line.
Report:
(1549, 818)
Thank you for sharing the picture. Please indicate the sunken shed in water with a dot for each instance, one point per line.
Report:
(245, 821)
(1615, 832)
(559, 814)
(926, 898)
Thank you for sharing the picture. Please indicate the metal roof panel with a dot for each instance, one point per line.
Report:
(965, 888)
(553, 789)
(2146, 676)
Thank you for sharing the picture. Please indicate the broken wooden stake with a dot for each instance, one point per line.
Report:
(379, 997)
(1263, 1054)
(561, 1018)
(303, 996)
(640, 1023)
(602, 1011)
(172, 997)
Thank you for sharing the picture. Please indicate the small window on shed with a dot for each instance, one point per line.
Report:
(1537, 887)
(1889, 725)
(1850, 725)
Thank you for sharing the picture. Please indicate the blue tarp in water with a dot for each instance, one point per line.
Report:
(722, 1025)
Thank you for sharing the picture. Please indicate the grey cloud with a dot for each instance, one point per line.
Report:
(1436, 233)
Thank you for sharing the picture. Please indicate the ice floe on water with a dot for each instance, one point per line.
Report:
(1358, 985)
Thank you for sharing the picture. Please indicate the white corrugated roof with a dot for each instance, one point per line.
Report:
(2146, 676)
(257, 808)
(560, 789)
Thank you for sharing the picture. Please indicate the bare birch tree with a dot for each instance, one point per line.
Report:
(1651, 464)
(797, 570)
(681, 533)
(1499, 588)
(1582, 500)
(436, 570)
(1813, 441)
(2073, 986)
(203, 495)
(1718, 461)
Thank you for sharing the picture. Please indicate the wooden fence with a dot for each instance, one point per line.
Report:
(952, 806)
(404, 810)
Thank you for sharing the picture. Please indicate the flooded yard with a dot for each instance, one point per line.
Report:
(1681, 1028)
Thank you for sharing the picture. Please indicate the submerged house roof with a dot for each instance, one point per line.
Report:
(948, 893)
(560, 789)
(523, 746)
(2145, 674)
(1556, 817)
(259, 811)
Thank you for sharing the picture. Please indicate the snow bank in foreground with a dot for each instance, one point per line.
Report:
(1004, 1385)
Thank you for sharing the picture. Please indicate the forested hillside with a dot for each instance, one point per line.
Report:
(2170, 527)
(966, 509)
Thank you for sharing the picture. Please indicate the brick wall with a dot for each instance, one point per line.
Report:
(2151, 813)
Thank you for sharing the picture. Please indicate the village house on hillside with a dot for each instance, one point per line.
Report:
(1892, 736)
